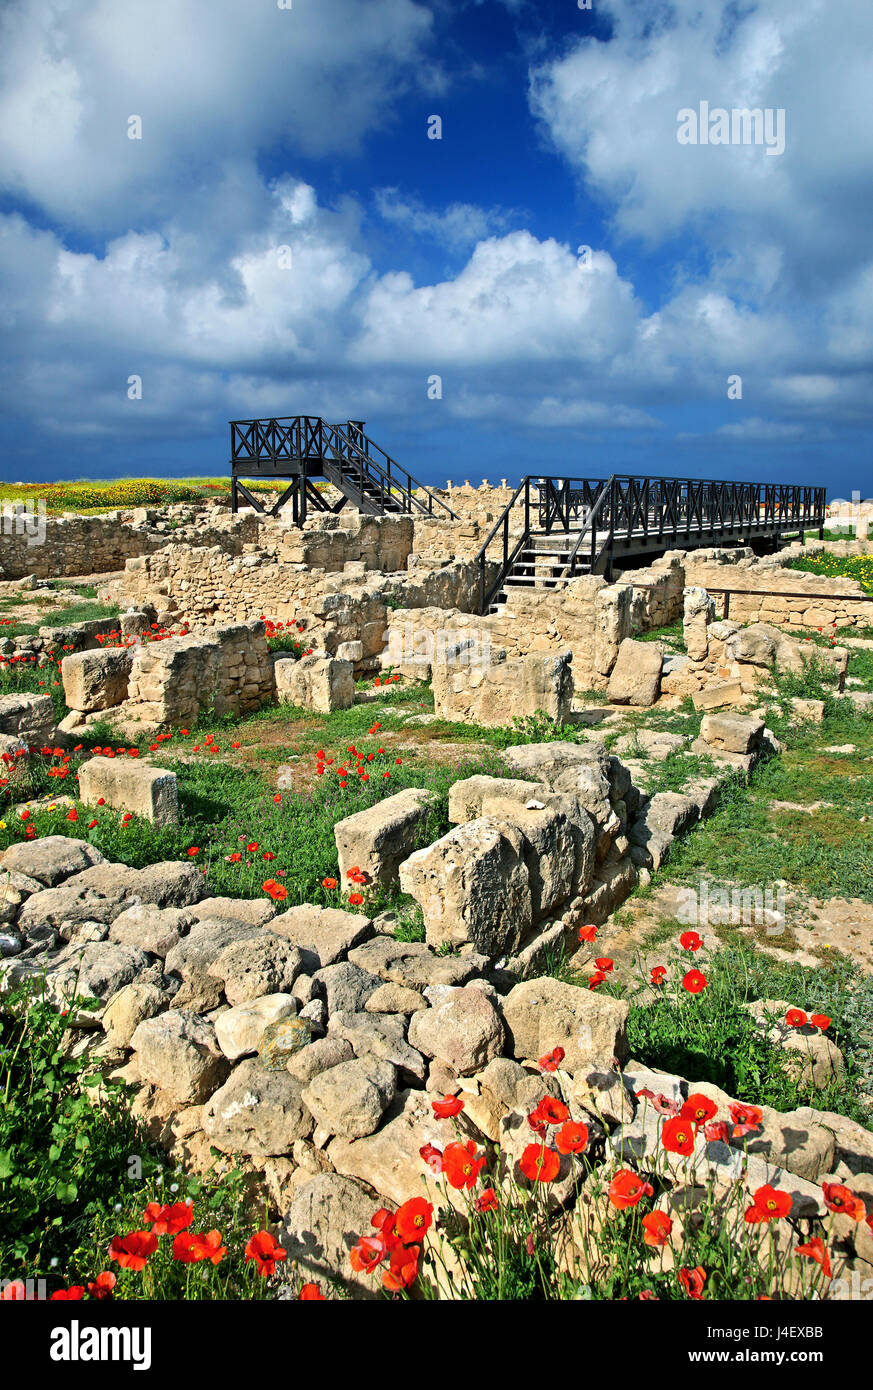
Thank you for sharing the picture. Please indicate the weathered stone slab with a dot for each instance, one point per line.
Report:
(146, 791)
(378, 839)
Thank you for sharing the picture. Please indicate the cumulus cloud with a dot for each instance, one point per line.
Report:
(458, 225)
(236, 294)
(212, 83)
(611, 108)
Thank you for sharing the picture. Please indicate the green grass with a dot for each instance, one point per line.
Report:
(710, 1037)
(91, 496)
(224, 808)
(858, 567)
(672, 633)
(66, 616)
(77, 1170)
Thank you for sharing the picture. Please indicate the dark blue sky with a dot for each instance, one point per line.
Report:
(157, 260)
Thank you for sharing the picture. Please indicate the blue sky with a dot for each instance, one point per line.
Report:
(267, 128)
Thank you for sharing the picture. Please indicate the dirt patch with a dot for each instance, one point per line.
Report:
(645, 927)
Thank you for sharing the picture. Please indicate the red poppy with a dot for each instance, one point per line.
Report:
(540, 1164)
(311, 1293)
(745, 1118)
(277, 798)
(572, 1137)
(841, 1199)
(190, 1247)
(657, 1226)
(234, 858)
(595, 981)
(690, 941)
(73, 814)
(432, 1156)
(103, 1285)
(73, 1294)
(587, 933)
(252, 847)
(820, 1021)
(132, 1251)
(768, 1204)
(355, 899)
(193, 850)
(694, 982)
(168, 1220)
(678, 1135)
(692, 1281)
(328, 883)
(550, 1111)
(604, 963)
(448, 1106)
(403, 1270)
(266, 1252)
(815, 1249)
(552, 1060)
(461, 1164)
(658, 973)
(796, 1018)
(367, 1254)
(719, 1130)
(660, 1103)
(627, 1188)
(413, 1219)
(699, 1108)
(487, 1201)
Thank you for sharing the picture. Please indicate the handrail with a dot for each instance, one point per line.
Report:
(301, 438)
(411, 480)
(647, 506)
(503, 521)
(570, 567)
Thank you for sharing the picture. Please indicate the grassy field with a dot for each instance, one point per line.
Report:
(92, 496)
(859, 567)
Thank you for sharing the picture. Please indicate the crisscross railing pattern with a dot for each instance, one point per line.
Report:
(627, 513)
(304, 446)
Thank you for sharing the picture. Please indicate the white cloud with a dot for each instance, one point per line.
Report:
(611, 108)
(516, 299)
(213, 81)
(458, 225)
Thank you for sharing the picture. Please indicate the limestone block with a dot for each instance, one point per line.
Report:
(28, 718)
(719, 693)
(473, 885)
(137, 787)
(316, 682)
(96, 680)
(636, 675)
(378, 839)
(732, 732)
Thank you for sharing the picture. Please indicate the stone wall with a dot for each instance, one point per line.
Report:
(587, 617)
(725, 662)
(80, 545)
(229, 671)
(797, 602)
(495, 692)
